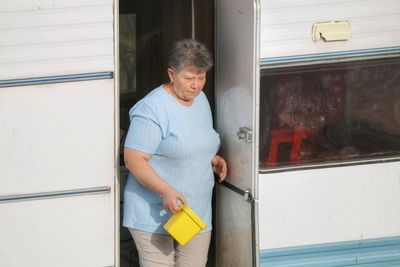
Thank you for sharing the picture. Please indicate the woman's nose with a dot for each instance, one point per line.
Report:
(195, 83)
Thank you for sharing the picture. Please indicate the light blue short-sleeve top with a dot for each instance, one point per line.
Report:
(182, 142)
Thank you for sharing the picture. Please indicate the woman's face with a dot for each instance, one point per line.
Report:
(187, 83)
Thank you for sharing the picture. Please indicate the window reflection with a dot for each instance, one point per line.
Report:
(330, 113)
(127, 53)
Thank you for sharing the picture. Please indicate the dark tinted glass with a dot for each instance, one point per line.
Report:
(330, 113)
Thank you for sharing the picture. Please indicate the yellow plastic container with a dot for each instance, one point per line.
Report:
(184, 225)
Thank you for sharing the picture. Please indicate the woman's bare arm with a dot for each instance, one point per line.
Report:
(137, 163)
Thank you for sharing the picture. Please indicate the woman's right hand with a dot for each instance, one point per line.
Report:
(170, 199)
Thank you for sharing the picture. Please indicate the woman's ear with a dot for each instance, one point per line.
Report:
(170, 74)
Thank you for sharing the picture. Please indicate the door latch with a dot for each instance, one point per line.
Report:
(247, 195)
(245, 133)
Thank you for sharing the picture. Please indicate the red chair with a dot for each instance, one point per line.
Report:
(293, 136)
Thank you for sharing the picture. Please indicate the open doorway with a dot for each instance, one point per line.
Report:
(147, 29)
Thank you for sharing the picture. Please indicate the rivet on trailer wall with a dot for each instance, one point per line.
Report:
(331, 31)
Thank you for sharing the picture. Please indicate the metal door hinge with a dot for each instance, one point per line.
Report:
(246, 134)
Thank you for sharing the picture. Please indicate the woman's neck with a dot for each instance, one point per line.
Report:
(169, 88)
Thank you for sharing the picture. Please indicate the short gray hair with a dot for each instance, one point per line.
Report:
(189, 52)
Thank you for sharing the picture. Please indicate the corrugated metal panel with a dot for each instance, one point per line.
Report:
(56, 137)
(62, 232)
(329, 205)
(286, 26)
(44, 38)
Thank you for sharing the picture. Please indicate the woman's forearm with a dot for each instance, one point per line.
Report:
(137, 163)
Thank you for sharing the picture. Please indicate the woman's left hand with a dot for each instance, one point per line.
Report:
(219, 167)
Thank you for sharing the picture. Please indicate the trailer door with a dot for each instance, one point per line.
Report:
(237, 76)
(57, 132)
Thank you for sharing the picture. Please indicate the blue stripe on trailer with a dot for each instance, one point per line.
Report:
(366, 253)
(54, 194)
(56, 79)
(328, 55)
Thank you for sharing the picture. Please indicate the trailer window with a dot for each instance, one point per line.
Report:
(330, 113)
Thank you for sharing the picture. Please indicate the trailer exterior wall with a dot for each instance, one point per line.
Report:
(308, 214)
(50, 38)
(286, 29)
(57, 134)
(329, 205)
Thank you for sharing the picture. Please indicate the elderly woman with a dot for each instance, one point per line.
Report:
(170, 152)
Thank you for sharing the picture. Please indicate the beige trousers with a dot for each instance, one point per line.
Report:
(157, 250)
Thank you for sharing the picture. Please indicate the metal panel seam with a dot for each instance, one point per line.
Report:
(56, 79)
(54, 194)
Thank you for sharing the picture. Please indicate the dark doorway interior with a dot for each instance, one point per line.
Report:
(147, 30)
(151, 28)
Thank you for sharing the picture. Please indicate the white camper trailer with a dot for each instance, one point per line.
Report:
(307, 105)
(308, 108)
(63, 88)
(58, 128)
